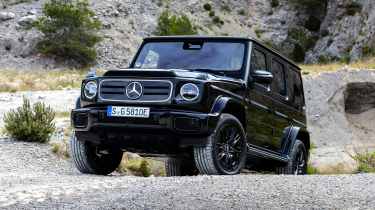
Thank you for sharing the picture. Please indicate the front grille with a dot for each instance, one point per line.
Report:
(153, 90)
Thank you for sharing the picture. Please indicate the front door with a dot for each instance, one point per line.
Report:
(259, 102)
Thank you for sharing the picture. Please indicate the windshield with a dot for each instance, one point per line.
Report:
(224, 58)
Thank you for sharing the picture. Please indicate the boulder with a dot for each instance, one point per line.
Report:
(27, 20)
(6, 16)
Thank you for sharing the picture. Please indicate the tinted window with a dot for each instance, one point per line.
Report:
(279, 83)
(296, 96)
(216, 57)
(258, 60)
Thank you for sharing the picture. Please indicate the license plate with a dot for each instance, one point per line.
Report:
(127, 111)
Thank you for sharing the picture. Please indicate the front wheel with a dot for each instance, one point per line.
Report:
(225, 152)
(89, 159)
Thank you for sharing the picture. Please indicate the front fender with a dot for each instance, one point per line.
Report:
(221, 103)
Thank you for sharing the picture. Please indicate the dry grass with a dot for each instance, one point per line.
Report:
(14, 80)
(314, 69)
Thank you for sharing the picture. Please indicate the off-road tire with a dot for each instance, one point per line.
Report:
(205, 157)
(290, 167)
(88, 162)
(180, 167)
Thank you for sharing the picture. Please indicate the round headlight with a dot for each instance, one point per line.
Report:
(189, 92)
(91, 89)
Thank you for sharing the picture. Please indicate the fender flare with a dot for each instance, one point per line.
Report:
(294, 132)
(221, 103)
(78, 103)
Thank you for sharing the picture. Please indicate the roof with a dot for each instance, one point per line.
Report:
(154, 38)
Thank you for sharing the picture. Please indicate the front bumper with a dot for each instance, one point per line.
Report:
(93, 124)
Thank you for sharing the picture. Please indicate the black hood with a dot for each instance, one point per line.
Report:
(157, 73)
(167, 73)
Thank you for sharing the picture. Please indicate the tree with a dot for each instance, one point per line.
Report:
(70, 30)
(169, 24)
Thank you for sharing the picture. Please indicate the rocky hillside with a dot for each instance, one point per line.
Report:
(307, 30)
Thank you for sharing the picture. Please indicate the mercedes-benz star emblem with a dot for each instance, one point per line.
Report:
(134, 90)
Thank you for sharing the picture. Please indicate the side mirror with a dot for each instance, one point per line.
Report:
(262, 76)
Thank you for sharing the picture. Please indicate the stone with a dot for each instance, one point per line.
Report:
(6, 16)
(27, 20)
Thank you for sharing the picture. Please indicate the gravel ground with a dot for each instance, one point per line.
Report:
(32, 177)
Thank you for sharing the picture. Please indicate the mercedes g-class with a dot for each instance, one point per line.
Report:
(208, 104)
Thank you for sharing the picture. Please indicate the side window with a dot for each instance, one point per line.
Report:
(295, 89)
(258, 60)
(279, 83)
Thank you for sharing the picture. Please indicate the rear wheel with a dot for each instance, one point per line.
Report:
(90, 159)
(180, 167)
(225, 153)
(297, 164)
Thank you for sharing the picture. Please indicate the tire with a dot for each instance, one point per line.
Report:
(87, 161)
(225, 152)
(173, 167)
(297, 164)
(180, 167)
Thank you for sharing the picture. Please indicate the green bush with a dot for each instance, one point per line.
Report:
(310, 4)
(368, 50)
(30, 123)
(353, 8)
(169, 24)
(211, 13)
(207, 7)
(217, 20)
(242, 12)
(313, 23)
(275, 3)
(70, 30)
(226, 8)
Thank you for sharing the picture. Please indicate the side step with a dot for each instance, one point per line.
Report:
(265, 154)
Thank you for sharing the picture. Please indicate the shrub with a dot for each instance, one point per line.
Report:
(303, 41)
(368, 50)
(30, 123)
(217, 20)
(211, 13)
(70, 31)
(275, 3)
(226, 8)
(353, 8)
(207, 7)
(366, 162)
(313, 23)
(312, 170)
(242, 12)
(310, 4)
(169, 24)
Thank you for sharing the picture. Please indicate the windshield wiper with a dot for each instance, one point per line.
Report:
(212, 71)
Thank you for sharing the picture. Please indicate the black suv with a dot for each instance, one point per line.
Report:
(209, 104)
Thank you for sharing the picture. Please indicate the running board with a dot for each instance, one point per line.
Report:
(264, 154)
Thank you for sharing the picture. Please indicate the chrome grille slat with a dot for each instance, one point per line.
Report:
(159, 91)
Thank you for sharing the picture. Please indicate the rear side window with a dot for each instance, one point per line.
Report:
(258, 60)
(279, 82)
(295, 89)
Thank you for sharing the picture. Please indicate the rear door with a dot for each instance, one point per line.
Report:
(259, 101)
(281, 103)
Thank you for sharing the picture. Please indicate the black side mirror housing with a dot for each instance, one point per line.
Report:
(262, 76)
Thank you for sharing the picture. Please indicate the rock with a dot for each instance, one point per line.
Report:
(6, 16)
(32, 12)
(27, 20)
